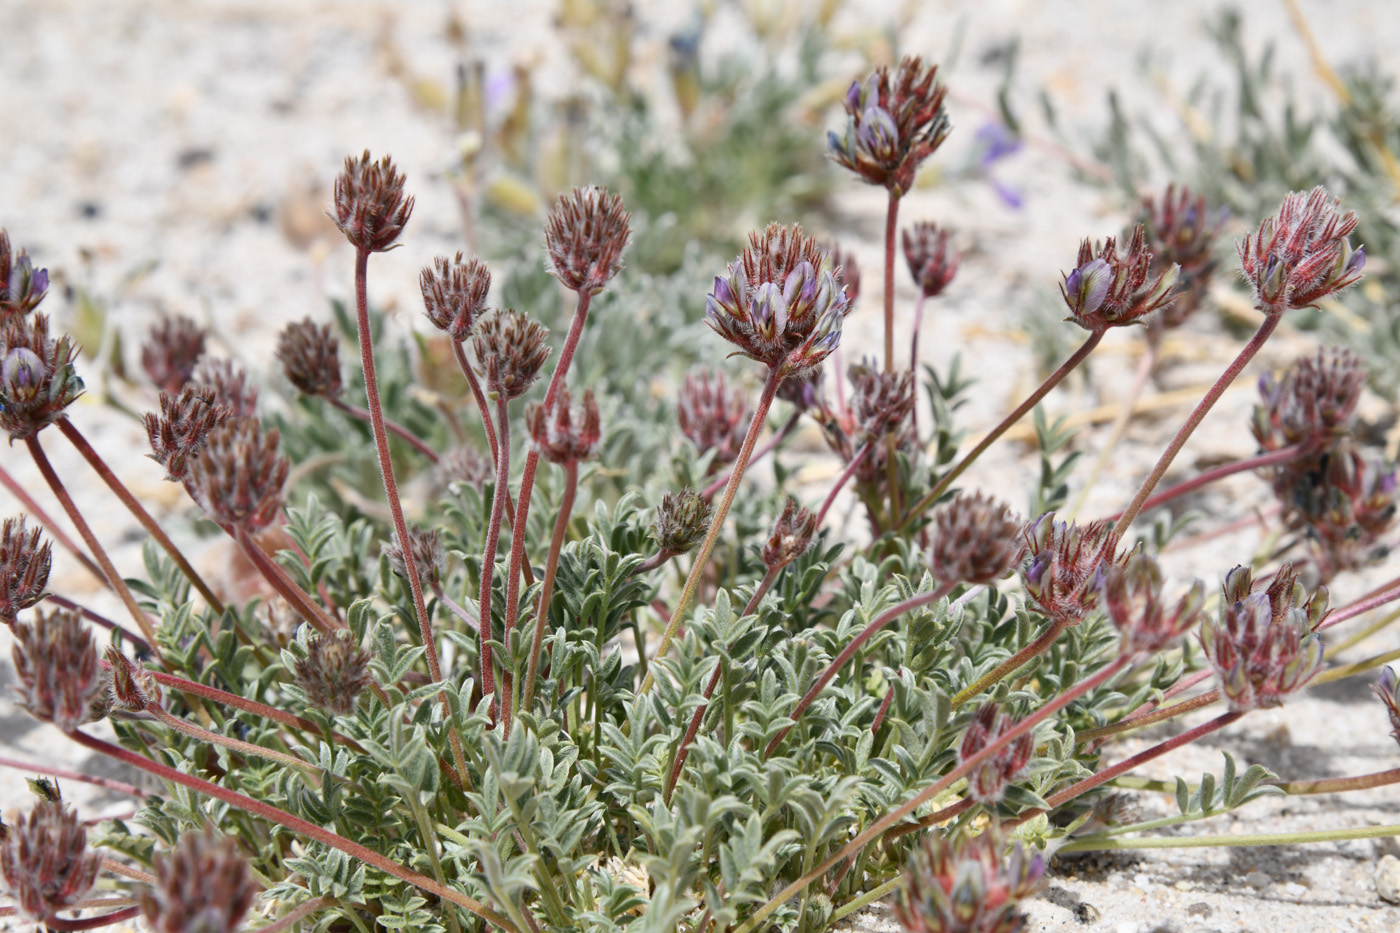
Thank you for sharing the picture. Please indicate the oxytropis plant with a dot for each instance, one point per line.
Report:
(485, 705)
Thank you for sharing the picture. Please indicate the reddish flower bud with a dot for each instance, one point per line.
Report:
(171, 351)
(1132, 597)
(1112, 289)
(370, 207)
(1063, 576)
(202, 886)
(334, 672)
(961, 885)
(681, 520)
(463, 465)
(585, 234)
(713, 417)
(1263, 648)
(1313, 402)
(987, 782)
(881, 402)
(38, 380)
(932, 261)
(238, 477)
(454, 294)
(25, 561)
(177, 432)
(976, 539)
(510, 351)
(564, 433)
(791, 536)
(310, 357)
(22, 286)
(426, 545)
(894, 122)
(1301, 254)
(232, 388)
(1181, 231)
(132, 687)
(60, 679)
(780, 303)
(46, 862)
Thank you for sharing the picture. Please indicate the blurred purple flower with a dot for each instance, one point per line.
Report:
(994, 142)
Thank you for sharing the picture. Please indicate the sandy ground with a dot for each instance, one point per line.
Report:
(174, 157)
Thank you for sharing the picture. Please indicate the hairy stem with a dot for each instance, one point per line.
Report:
(556, 545)
(117, 787)
(98, 619)
(393, 427)
(891, 227)
(995, 675)
(1257, 462)
(235, 745)
(759, 453)
(285, 586)
(1054, 379)
(296, 824)
(1340, 785)
(1120, 424)
(55, 532)
(841, 480)
(1270, 324)
(302, 911)
(1094, 844)
(493, 537)
(702, 557)
(114, 579)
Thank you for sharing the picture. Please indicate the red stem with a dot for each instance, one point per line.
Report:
(96, 618)
(393, 427)
(118, 787)
(891, 224)
(493, 537)
(1054, 379)
(1339, 785)
(527, 488)
(1362, 606)
(1259, 461)
(878, 623)
(114, 579)
(92, 923)
(283, 584)
(842, 480)
(759, 453)
(556, 544)
(296, 824)
(55, 532)
(1232, 371)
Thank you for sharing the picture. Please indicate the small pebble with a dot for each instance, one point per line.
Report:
(1143, 881)
(1258, 879)
(1293, 889)
(1388, 879)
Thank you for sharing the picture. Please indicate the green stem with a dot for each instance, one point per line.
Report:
(866, 899)
(1270, 324)
(296, 824)
(702, 557)
(302, 911)
(1054, 379)
(1257, 839)
(994, 676)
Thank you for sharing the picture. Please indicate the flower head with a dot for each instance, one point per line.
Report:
(1388, 689)
(894, 122)
(881, 402)
(1109, 289)
(178, 430)
(976, 539)
(585, 234)
(46, 862)
(1131, 594)
(1312, 403)
(38, 380)
(1301, 254)
(1064, 574)
(681, 520)
(463, 465)
(565, 433)
(791, 536)
(370, 207)
(25, 561)
(334, 672)
(961, 885)
(713, 416)
(780, 303)
(202, 886)
(172, 348)
(987, 782)
(1182, 231)
(22, 286)
(239, 474)
(60, 679)
(932, 260)
(232, 388)
(1263, 648)
(133, 688)
(310, 358)
(454, 294)
(510, 351)
(426, 545)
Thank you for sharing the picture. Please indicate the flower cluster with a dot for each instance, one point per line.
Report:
(1064, 573)
(713, 416)
(1302, 254)
(988, 781)
(370, 206)
(563, 432)
(22, 286)
(894, 122)
(46, 861)
(1109, 288)
(38, 380)
(1131, 594)
(1181, 231)
(960, 885)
